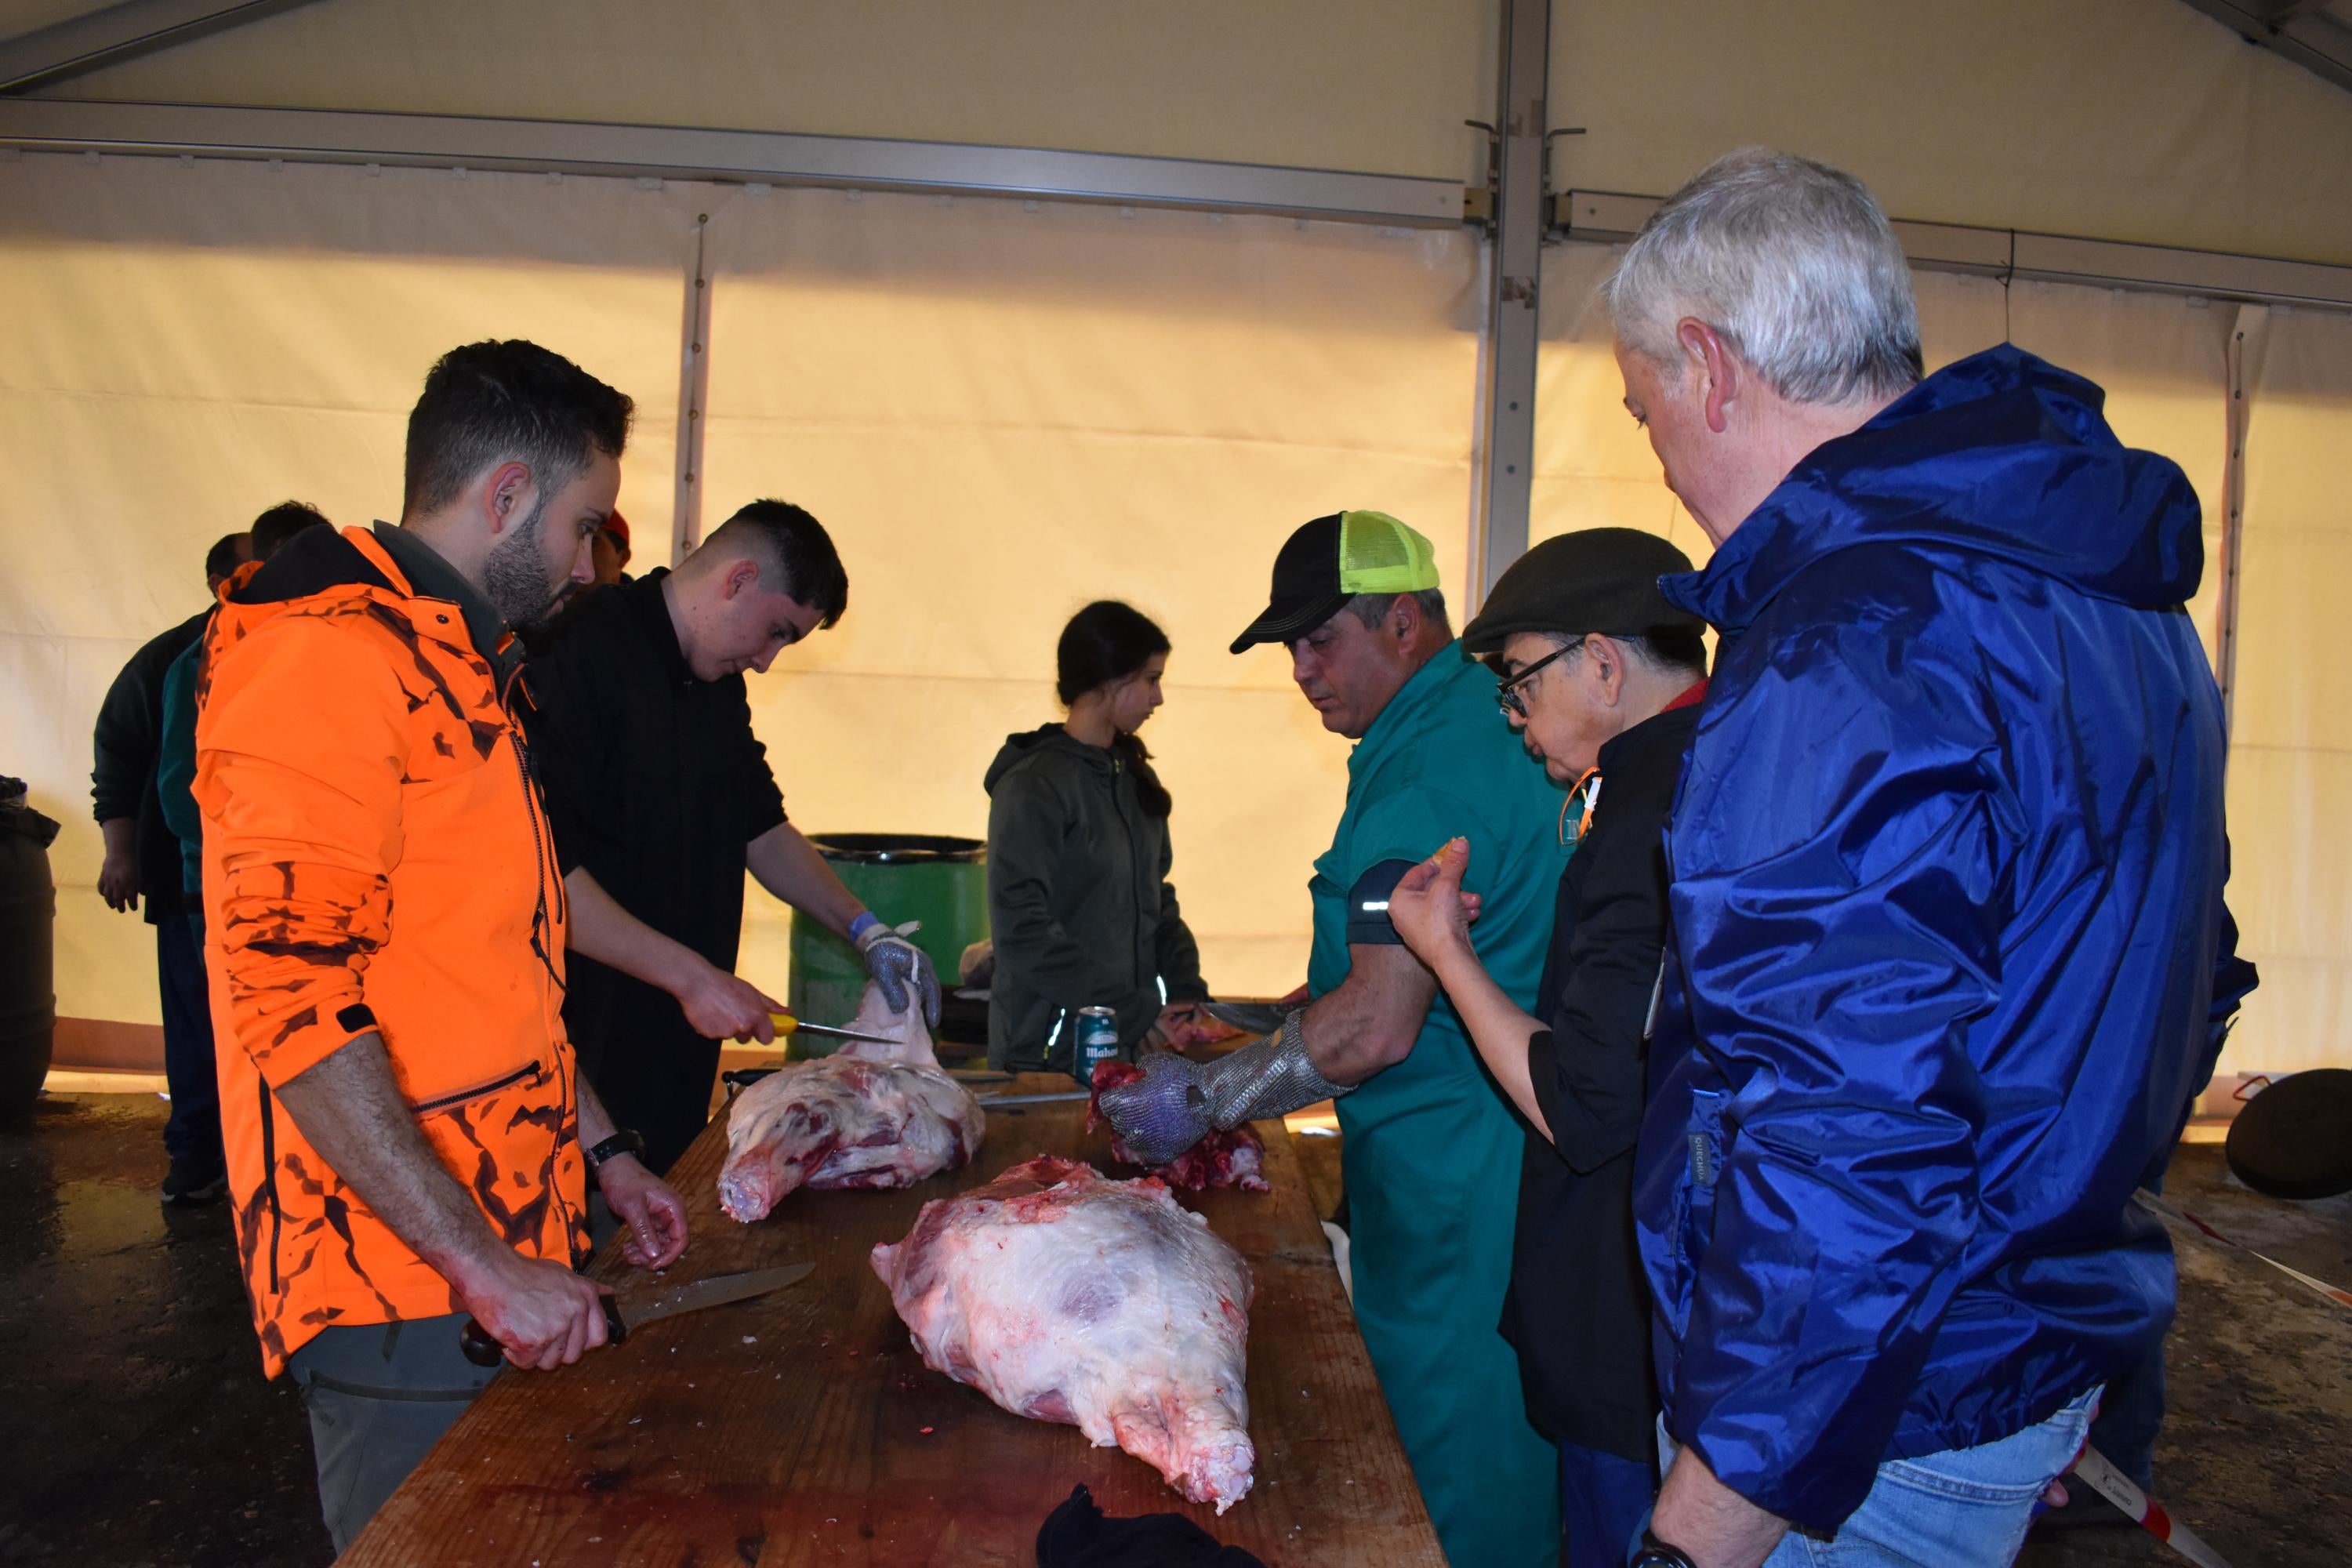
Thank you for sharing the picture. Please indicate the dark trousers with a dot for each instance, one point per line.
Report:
(2131, 1412)
(192, 1133)
(1604, 1499)
(380, 1396)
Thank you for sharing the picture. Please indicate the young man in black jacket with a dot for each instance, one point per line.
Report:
(661, 799)
(143, 863)
(1603, 680)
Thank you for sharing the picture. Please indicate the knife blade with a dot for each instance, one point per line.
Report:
(650, 1305)
(1054, 1097)
(787, 1026)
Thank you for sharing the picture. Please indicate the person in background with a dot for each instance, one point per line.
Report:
(1079, 905)
(1430, 1148)
(610, 552)
(661, 799)
(143, 863)
(408, 1137)
(1948, 938)
(1602, 680)
(175, 767)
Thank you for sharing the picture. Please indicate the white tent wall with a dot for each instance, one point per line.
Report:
(186, 344)
(2291, 752)
(1004, 409)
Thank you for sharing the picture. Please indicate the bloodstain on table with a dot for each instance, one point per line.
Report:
(803, 1427)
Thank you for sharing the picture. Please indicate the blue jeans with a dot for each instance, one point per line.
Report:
(192, 1132)
(1964, 1507)
(1603, 1500)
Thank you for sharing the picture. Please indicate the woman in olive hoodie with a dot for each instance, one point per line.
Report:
(1079, 898)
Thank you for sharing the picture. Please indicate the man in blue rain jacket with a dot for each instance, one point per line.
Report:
(1947, 960)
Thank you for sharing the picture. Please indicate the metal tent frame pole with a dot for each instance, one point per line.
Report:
(1503, 460)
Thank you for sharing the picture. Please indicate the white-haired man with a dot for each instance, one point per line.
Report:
(1948, 955)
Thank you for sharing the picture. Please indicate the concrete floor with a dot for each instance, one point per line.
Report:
(140, 1432)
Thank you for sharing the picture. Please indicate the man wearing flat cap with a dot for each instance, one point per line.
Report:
(1432, 1149)
(1602, 679)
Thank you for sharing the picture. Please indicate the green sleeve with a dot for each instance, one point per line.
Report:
(175, 764)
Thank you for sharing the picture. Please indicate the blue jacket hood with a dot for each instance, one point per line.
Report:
(1980, 459)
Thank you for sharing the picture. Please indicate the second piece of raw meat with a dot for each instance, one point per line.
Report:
(866, 1116)
(1066, 1296)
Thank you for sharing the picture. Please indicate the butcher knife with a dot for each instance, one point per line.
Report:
(788, 1024)
(646, 1305)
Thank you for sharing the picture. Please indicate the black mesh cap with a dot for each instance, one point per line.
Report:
(1325, 562)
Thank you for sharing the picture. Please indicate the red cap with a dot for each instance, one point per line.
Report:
(619, 526)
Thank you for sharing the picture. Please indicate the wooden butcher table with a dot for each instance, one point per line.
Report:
(803, 1427)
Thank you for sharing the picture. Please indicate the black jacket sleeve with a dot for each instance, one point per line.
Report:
(128, 739)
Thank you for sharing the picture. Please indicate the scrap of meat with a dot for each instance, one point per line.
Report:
(1066, 1296)
(867, 1116)
(1234, 1158)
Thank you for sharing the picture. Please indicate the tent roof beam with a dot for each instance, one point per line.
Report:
(120, 31)
(2298, 30)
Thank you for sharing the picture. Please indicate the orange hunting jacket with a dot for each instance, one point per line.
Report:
(375, 857)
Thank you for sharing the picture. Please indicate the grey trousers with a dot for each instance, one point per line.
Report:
(380, 1396)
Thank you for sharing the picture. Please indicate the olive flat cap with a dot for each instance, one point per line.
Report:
(1602, 580)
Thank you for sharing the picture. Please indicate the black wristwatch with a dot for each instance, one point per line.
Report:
(1656, 1553)
(622, 1143)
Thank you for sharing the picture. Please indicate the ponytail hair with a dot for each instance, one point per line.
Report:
(1109, 641)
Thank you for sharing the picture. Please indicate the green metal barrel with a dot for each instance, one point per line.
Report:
(901, 876)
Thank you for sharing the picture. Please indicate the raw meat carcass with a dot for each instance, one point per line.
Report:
(1233, 1158)
(866, 1116)
(1066, 1296)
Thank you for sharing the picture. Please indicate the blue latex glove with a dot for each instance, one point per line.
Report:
(902, 969)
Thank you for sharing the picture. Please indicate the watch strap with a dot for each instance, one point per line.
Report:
(1655, 1554)
(624, 1142)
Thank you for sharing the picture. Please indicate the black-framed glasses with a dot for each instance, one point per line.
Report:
(1512, 692)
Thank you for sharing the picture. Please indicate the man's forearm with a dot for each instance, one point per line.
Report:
(351, 1111)
(602, 929)
(122, 835)
(596, 1123)
(1497, 1027)
(1714, 1526)
(1370, 1021)
(788, 865)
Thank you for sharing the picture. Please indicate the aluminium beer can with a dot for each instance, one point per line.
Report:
(1097, 1041)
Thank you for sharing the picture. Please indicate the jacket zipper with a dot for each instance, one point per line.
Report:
(269, 1180)
(443, 1102)
(543, 852)
(541, 926)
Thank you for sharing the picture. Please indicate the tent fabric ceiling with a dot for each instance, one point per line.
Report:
(18, 17)
(2126, 120)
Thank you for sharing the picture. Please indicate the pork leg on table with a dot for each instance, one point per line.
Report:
(1066, 1296)
(867, 1116)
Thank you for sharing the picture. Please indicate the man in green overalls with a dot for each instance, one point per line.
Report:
(1430, 1151)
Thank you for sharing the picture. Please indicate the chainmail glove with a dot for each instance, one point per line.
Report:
(899, 967)
(1178, 1103)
